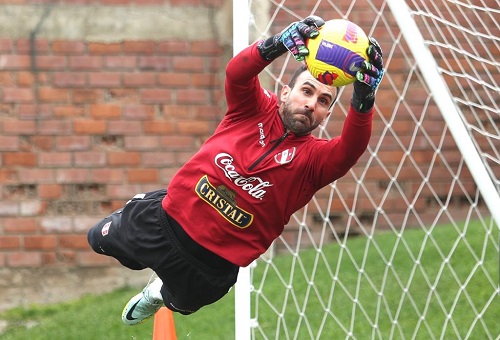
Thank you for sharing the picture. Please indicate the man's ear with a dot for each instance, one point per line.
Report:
(285, 91)
(327, 115)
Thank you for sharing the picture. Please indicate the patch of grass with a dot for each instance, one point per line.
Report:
(99, 317)
(373, 287)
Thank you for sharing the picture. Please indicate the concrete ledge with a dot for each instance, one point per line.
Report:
(114, 23)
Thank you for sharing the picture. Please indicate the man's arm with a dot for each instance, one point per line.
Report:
(242, 84)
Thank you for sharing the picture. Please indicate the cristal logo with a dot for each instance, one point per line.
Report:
(253, 185)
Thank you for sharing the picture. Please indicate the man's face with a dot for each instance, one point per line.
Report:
(305, 106)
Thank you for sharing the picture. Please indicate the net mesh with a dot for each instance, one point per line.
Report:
(403, 246)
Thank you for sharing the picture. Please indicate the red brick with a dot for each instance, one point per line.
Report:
(85, 62)
(26, 46)
(73, 143)
(25, 79)
(24, 259)
(205, 80)
(142, 176)
(42, 143)
(50, 62)
(141, 142)
(105, 79)
(52, 95)
(84, 96)
(105, 111)
(30, 111)
(49, 191)
(6, 45)
(10, 242)
(36, 175)
(155, 63)
(189, 64)
(191, 96)
(40, 242)
(125, 127)
(90, 159)
(107, 175)
(120, 62)
(104, 48)
(156, 96)
(70, 79)
(194, 127)
(72, 175)
(54, 127)
(177, 111)
(139, 47)
(17, 95)
(68, 47)
(124, 158)
(15, 62)
(19, 225)
(26, 127)
(74, 241)
(138, 111)
(178, 142)
(174, 47)
(139, 79)
(7, 79)
(159, 159)
(68, 111)
(178, 79)
(55, 159)
(89, 127)
(19, 158)
(158, 127)
(9, 143)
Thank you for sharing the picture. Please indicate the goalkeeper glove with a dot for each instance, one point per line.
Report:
(368, 78)
(293, 38)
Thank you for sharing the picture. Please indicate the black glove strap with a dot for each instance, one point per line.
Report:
(271, 48)
(363, 105)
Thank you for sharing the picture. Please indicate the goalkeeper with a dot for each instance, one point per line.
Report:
(227, 204)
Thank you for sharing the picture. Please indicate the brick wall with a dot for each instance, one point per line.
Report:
(84, 125)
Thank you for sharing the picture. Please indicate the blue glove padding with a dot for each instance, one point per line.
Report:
(368, 78)
(293, 38)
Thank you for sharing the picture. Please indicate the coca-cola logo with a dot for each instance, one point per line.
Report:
(254, 186)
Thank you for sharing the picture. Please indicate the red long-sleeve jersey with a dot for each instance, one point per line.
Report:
(236, 194)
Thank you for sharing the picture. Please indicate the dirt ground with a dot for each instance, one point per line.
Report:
(24, 287)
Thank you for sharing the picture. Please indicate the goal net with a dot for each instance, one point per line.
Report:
(404, 246)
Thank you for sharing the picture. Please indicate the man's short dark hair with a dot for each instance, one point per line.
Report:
(302, 68)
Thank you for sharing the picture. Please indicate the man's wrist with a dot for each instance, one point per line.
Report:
(363, 105)
(271, 48)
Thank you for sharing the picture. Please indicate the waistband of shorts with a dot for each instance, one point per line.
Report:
(197, 251)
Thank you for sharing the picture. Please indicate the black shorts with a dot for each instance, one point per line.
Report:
(142, 235)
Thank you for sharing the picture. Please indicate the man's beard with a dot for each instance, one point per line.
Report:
(300, 121)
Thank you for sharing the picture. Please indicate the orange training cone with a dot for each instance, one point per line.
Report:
(164, 326)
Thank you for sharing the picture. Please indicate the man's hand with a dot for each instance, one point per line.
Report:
(293, 38)
(368, 78)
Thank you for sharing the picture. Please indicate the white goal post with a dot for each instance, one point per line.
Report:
(406, 245)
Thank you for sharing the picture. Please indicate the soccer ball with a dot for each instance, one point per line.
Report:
(335, 52)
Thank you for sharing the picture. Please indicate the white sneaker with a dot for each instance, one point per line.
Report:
(144, 305)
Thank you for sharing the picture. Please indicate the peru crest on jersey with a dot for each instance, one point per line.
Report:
(285, 156)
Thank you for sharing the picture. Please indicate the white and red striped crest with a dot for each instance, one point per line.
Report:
(285, 156)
